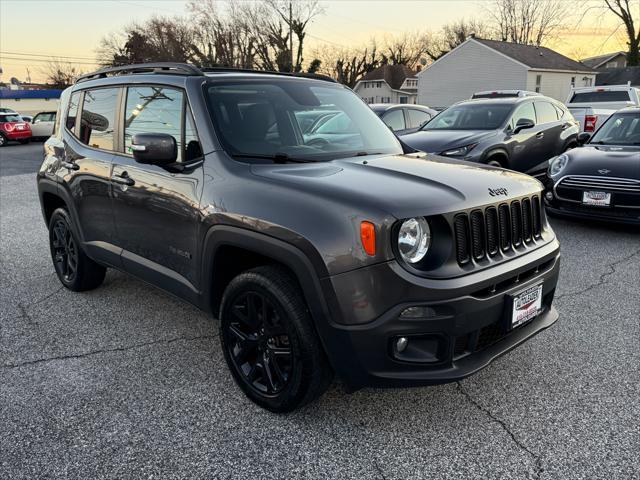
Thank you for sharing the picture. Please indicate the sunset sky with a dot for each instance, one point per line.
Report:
(32, 31)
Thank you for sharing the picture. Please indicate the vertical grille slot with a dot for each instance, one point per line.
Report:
(461, 227)
(526, 220)
(477, 234)
(516, 224)
(493, 232)
(535, 214)
(505, 226)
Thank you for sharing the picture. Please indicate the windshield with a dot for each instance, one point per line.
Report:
(619, 129)
(601, 96)
(471, 117)
(297, 119)
(10, 118)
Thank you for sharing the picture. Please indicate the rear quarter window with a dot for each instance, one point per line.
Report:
(602, 96)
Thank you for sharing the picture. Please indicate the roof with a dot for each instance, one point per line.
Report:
(7, 94)
(394, 75)
(619, 76)
(595, 62)
(535, 57)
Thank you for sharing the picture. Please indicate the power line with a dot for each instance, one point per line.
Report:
(32, 54)
(45, 60)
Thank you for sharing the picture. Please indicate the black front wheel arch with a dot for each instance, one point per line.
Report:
(269, 340)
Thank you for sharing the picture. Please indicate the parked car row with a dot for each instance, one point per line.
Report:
(23, 128)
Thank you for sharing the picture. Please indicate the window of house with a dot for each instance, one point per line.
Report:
(72, 112)
(545, 112)
(403, 99)
(538, 83)
(394, 120)
(573, 81)
(587, 81)
(97, 120)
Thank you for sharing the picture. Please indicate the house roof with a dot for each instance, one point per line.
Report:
(595, 62)
(394, 75)
(535, 57)
(619, 76)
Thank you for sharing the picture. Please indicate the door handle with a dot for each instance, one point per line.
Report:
(540, 135)
(70, 165)
(123, 179)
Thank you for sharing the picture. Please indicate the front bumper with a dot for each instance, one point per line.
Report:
(615, 214)
(466, 330)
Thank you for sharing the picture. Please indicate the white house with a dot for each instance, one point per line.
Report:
(481, 65)
(388, 84)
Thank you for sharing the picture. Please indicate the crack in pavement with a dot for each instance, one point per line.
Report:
(106, 350)
(602, 280)
(537, 458)
(375, 463)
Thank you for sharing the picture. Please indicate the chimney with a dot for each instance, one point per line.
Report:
(418, 68)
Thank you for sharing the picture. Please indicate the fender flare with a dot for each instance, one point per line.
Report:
(493, 151)
(46, 185)
(308, 271)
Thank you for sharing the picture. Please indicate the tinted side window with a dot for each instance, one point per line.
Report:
(546, 112)
(153, 110)
(394, 119)
(72, 111)
(98, 118)
(523, 112)
(417, 118)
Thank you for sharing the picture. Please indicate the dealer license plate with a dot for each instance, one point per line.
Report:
(526, 305)
(598, 199)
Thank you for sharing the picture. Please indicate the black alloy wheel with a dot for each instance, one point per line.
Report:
(75, 270)
(269, 340)
(258, 343)
(65, 251)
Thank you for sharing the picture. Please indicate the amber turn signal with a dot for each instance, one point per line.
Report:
(368, 237)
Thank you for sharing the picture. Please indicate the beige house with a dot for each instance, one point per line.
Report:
(388, 84)
(480, 65)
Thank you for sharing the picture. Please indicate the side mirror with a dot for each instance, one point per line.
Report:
(523, 124)
(154, 148)
(583, 138)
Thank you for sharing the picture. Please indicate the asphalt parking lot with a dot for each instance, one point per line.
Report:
(127, 382)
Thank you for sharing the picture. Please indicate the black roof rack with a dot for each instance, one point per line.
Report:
(315, 76)
(170, 68)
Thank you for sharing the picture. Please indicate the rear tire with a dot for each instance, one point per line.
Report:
(269, 341)
(75, 270)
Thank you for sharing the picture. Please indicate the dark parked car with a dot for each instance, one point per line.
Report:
(600, 180)
(403, 118)
(351, 258)
(516, 133)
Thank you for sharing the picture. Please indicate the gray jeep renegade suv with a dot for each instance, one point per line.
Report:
(285, 207)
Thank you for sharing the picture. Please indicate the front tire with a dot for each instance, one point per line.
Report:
(3, 140)
(269, 341)
(75, 270)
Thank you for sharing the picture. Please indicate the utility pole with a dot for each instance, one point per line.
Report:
(291, 32)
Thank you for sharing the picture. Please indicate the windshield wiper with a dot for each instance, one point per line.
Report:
(276, 157)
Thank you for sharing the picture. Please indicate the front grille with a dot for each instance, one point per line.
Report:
(601, 183)
(501, 227)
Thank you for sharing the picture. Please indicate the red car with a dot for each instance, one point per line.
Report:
(12, 127)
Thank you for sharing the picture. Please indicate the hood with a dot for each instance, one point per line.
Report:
(403, 185)
(437, 141)
(620, 161)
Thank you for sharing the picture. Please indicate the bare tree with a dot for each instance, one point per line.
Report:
(626, 11)
(454, 34)
(348, 66)
(60, 74)
(529, 22)
(407, 49)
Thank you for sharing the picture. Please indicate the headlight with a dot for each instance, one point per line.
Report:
(460, 151)
(414, 238)
(557, 164)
